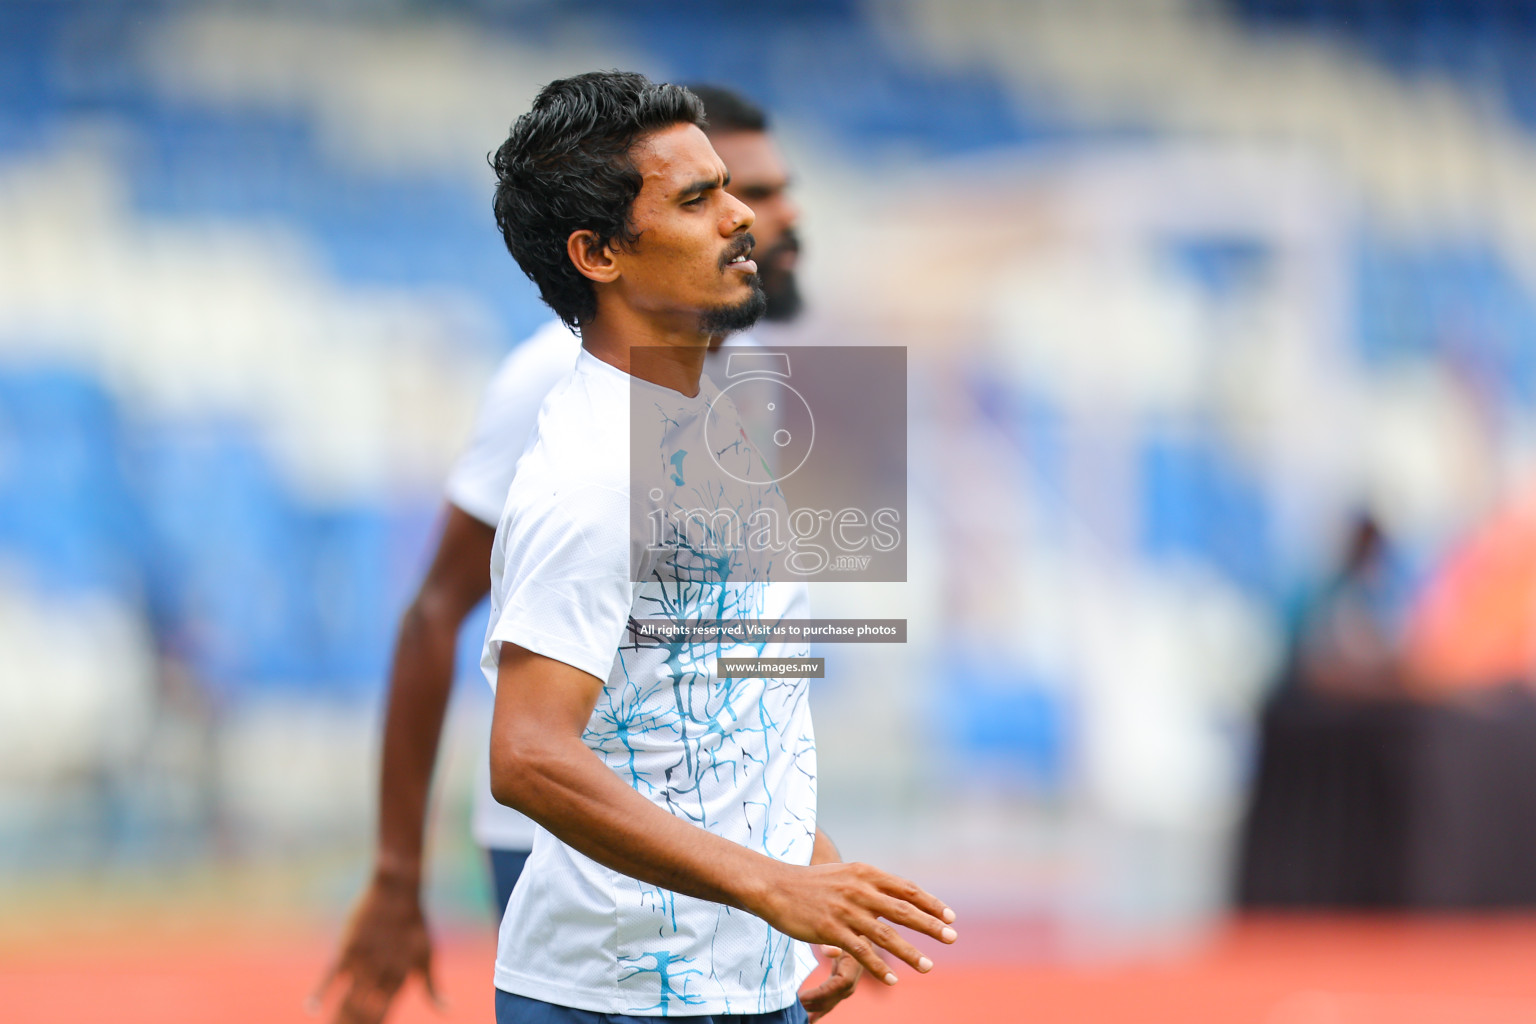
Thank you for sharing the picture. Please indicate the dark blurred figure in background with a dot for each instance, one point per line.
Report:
(1349, 637)
(1395, 758)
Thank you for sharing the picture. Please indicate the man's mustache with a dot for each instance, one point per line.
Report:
(741, 247)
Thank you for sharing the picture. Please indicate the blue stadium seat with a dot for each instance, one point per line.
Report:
(1197, 503)
(229, 562)
(65, 511)
(1016, 724)
(354, 604)
(1484, 43)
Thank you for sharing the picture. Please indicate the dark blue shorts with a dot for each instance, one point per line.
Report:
(511, 1009)
(506, 866)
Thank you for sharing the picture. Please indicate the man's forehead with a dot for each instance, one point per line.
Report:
(677, 156)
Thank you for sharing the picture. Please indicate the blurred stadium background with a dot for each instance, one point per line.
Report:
(1186, 287)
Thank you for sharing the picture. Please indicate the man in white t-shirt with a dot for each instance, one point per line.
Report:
(678, 869)
(387, 939)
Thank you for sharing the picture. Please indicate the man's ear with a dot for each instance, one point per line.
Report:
(593, 261)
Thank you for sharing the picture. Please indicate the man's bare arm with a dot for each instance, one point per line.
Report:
(540, 765)
(421, 680)
(387, 940)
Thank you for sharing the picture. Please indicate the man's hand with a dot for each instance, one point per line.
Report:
(839, 985)
(385, 943)
(849, 906)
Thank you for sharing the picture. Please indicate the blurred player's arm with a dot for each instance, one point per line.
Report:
(541, 766)
(421, 679)
(387, 940)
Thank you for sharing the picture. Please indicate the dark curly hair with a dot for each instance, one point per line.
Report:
(728, 110)
(566, 167)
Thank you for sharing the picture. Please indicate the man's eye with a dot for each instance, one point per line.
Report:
(695, 201)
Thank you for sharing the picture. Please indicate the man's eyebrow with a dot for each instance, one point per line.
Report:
(704, 185)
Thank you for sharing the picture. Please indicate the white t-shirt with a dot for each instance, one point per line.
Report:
(734, 756)
(508, 411)
(478, 484)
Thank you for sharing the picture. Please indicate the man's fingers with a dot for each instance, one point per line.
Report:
(359, 1008)
(317, 998)
(818, 997)
(889, 939)
(926, 902)
(904, 913)
(836, 986)
(430, 982)
(367, 1004)
(824, 998)
(846, 967)
(862, 950)
(369, 997)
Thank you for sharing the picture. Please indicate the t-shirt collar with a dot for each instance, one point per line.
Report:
(588, 363)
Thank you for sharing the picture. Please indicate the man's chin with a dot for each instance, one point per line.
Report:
(738, 317)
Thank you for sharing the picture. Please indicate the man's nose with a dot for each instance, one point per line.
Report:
(740, 217)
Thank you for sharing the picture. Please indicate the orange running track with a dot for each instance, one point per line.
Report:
(1286, 970)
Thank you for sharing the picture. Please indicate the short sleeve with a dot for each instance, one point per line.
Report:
(565, 588)
(509, 411)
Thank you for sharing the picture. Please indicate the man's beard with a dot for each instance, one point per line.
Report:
(729, 319)
(780, 286)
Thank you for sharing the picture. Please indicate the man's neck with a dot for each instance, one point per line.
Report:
(670, 358)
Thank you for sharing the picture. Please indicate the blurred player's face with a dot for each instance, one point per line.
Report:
(691, 263)
(760, 178)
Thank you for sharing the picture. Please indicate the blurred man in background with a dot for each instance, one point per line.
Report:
(387, 939)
